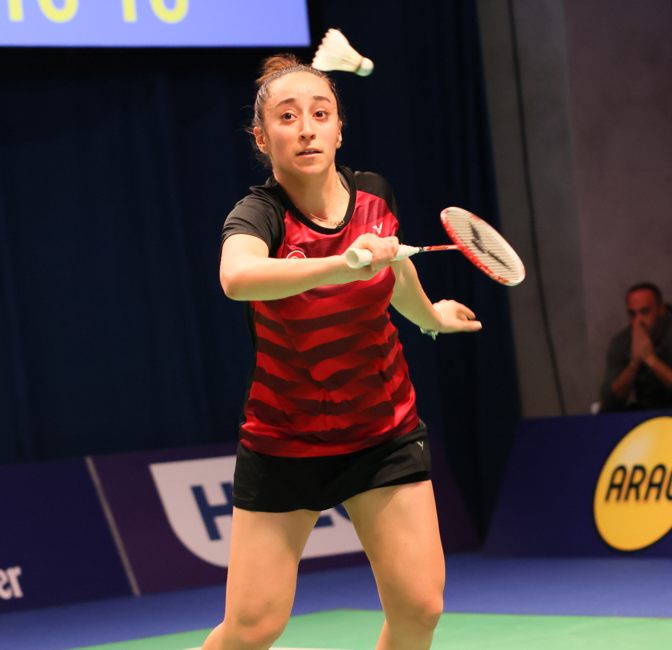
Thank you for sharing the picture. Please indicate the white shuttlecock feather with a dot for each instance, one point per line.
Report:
(336, 53)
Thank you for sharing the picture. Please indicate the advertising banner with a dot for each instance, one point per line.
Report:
(120, 524)
(594, 486)
(154, 23)
(172, 513)
(55, 545)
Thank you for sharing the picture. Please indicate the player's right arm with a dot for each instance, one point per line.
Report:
(246, 272)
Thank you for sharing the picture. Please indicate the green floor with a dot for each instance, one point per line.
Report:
(357, 630)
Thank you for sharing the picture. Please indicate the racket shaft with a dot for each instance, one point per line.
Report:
(440, 247)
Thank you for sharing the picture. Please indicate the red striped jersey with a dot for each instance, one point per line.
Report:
(330, 376)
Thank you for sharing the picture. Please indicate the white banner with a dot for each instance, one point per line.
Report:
(196, 497)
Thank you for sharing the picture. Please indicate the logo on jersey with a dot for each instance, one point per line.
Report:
(296, 254)
(378, 229)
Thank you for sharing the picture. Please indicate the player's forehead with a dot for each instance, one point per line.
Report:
(299, 86)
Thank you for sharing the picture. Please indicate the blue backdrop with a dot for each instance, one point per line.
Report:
(117, 168)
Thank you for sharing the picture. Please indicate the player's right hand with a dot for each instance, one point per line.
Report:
(382, 249)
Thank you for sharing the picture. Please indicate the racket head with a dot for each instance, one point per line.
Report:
(483, 246)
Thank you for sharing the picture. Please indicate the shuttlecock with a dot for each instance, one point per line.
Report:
(335, 53)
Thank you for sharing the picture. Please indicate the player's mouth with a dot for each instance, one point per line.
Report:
(309, 152)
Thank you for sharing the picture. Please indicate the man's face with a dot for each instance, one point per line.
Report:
(645, 310)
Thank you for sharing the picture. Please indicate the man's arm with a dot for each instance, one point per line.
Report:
(624, 381)
(659, 368)
(619, 375)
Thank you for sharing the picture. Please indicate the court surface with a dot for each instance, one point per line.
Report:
(551, 604)
(357, 630)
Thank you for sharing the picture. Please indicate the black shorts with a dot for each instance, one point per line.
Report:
(279, 484)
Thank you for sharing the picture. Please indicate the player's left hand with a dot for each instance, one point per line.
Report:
(456, 317)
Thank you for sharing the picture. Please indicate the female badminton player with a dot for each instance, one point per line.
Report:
(330, 415)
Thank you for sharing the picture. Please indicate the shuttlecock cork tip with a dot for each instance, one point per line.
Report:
(336, 53)
(365, 67)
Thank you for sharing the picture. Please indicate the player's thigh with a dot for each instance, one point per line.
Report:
(265, 551)
(399, 530)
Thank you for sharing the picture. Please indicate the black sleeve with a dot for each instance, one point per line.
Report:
(376, 184)
(256, 215)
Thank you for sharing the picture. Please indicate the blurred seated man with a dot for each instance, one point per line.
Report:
(639, 360)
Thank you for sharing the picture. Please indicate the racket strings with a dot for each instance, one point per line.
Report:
(489, 249)
(484, 245)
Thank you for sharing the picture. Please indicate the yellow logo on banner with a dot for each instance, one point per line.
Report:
(633, 497)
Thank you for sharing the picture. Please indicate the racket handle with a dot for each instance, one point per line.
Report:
(356, 258)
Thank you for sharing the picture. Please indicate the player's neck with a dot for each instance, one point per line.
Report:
(323, 199)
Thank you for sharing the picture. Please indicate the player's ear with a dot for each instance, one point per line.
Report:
(260, 139)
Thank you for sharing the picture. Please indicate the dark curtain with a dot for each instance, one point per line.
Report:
(117, 169)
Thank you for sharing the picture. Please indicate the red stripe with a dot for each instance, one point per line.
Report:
(364, 377)
(331, 299)
(325, 443)
(354, 316)
(306, 405)
(276, 367)
(350, 351)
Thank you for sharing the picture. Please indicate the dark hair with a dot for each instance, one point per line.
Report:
(273, 68)
(646, 286)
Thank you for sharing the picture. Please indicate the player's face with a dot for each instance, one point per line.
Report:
(644, 309)
(301, 130)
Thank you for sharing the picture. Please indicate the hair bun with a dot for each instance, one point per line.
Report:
(274, 64)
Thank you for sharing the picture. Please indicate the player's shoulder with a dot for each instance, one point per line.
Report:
(373, 183)
(260, 200)
(259, 213)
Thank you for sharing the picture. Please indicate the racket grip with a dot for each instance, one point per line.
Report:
(356, 258)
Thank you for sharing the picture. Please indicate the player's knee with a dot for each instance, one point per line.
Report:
(259, 631)
(422, 612)
(429, 611)
(257, 638)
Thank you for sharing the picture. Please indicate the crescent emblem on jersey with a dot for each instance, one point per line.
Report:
(296, 254)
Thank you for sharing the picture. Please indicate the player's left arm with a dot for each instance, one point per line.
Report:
(411, 301)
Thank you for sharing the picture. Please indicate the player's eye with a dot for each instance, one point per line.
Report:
(321, 114)
(287, 116)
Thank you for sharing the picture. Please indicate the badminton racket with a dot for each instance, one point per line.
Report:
(476, 239)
